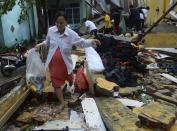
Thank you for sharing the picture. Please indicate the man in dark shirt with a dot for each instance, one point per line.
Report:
(134, 18)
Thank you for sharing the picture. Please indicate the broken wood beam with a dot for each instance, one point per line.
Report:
(162, 97)
(115, 115)
(13, 108)
(169, 77)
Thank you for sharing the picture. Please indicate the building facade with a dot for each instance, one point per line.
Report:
(75, 10)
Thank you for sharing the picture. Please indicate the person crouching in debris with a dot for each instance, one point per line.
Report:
(60, 40)
(91, 27)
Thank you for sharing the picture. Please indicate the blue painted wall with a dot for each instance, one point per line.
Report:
(22, 31)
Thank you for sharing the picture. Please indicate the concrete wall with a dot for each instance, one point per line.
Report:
(23, 31)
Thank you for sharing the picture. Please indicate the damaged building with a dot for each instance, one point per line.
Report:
(127, 83)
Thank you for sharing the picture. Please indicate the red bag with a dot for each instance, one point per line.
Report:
(81, 82)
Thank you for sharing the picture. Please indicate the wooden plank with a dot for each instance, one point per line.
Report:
(169, 77)
(100, 26)
(116, 116)
(92, 115)
(162, 97)
(101, 18)
(13, 108)
(162, 117)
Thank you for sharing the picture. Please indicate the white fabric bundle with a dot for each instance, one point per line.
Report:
(95, 63)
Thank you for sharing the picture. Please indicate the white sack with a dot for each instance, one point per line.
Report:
(95, 63)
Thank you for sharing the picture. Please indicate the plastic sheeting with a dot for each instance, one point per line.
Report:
(35, 67)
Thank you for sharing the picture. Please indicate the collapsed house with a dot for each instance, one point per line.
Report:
(127, 90)
(118, 86)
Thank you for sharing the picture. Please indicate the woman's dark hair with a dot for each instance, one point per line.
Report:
(60, 13)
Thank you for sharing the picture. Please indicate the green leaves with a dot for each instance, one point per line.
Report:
(7, 6)
(25, 5)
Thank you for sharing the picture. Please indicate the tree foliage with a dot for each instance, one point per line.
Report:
(25, 5)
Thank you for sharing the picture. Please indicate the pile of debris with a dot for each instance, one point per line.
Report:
(135, 91)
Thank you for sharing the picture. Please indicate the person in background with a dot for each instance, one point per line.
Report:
(60, 40)
(91, 27)
(108, 25)
(116, 19)
(145, 11)
(134, 18)
(142, 18)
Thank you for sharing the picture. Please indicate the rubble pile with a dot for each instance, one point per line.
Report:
(136, 91)
(139, 74)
